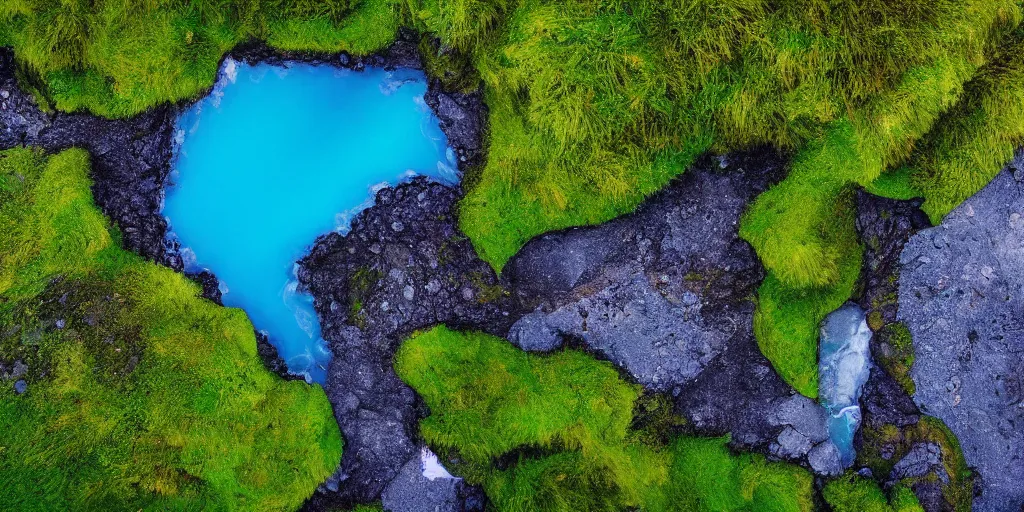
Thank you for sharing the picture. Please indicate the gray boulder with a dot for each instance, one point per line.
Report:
(419, 488)
(961, 294)
(660, 292)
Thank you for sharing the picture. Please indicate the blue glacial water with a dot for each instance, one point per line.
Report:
(276, 156)
(844, 364)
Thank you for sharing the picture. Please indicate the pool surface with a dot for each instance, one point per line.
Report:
(276, 156)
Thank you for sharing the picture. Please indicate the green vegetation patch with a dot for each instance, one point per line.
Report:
(976, 138)
(897, 354)
(117, 58)
(556, 432)
(141, 395)
(852, 493)
(593, 105)
(884, 446)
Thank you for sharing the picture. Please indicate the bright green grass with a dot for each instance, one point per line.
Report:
(852, 493)
(118, 57)
(565, 420)
(151, 398)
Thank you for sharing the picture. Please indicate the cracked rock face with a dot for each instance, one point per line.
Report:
(665, 293)
(403, 266)
(961, 293)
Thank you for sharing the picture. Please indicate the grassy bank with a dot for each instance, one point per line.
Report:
(565, 432)
(140, 394)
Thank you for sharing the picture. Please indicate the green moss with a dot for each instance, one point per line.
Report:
(978, 136)
(558, 432)
(787, 319)
(895, 443)
(142, 395)
(486, 292)
(897, 354)
(360, 284)
(854, 494)
(117, 59)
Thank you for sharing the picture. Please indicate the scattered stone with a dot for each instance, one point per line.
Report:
(19, 370)
(415, 490)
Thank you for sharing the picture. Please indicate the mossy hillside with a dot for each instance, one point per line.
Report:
(141, 395)
(556, 432)
(851, 493)
(118, 57)
(974, 140)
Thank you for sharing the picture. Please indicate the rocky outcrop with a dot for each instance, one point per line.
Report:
(961, 293)
(666, 294)
(463, 117)
(403, 266)
(415, 489)
(130, 158)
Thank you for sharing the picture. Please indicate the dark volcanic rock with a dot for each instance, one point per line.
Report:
(666, 294)
(130, 159)
(884, 402)
(463, 117)
(210, 284)
(411, 491)
(661, 292)
(961, 293)
(403, 266)
(884, 226)
(271, 359)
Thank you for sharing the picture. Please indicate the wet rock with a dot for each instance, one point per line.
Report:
(961, 293)
(376, 304)
(271, 359)
(210, 284)
(463, 117)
